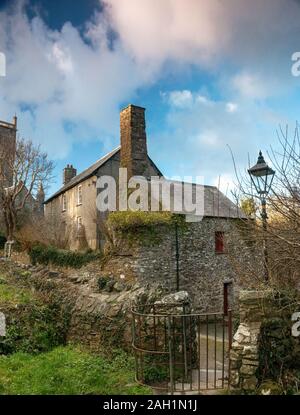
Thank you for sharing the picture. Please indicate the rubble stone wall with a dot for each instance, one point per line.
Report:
(258, 310)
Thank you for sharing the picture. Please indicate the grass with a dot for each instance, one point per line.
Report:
(34, 359)
(68, 371)
(12, 295)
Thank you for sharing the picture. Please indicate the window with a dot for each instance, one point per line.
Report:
(64, 202)
(79, 222)
(219, 243)
(79, 195)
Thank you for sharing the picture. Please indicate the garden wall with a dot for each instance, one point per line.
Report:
(264, 353)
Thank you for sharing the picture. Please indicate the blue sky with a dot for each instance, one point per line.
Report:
(211, 74)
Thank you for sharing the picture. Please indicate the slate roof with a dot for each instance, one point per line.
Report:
(90, 171)
(216, 204)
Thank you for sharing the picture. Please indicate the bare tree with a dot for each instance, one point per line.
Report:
(50, 230)
(282, 235)
(21, 173)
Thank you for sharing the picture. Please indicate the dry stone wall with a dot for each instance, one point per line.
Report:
(260, 355)
(100, 307)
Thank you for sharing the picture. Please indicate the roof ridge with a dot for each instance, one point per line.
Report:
(84, 174)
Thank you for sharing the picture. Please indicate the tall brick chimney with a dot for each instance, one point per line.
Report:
(68, 173)
(134, 153)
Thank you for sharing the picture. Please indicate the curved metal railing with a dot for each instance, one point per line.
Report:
(178, 351)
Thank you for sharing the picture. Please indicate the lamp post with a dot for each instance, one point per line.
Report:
(262, 178)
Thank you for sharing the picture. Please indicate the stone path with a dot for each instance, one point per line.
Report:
(208, 379)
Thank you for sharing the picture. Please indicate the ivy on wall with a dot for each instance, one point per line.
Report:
(144, 227)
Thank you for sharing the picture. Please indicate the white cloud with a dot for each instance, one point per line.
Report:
(257, 36)
(64, 89)
(203, 31)
(62, 59)
(155, 30)
(67, 86)
(209, 138)
(251, 86)
(202, 134)
(185, 98)
(181, 99)
(231, 107)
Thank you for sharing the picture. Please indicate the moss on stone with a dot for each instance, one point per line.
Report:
(269, 387)
(143, 227)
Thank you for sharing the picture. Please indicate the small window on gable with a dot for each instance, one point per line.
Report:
(219, 243)
(64, 202)
(79, 195)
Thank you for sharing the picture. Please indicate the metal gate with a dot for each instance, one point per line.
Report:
(179, 352)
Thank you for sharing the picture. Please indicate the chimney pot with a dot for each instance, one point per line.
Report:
(68, 173)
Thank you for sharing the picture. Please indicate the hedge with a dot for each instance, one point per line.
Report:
(46, 255)
(132, 220)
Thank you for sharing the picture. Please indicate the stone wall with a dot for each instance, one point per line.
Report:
(202, 271)
(252, 362)
(100, 307)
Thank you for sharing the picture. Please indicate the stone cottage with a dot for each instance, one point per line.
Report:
(200, 259)
(75, 202)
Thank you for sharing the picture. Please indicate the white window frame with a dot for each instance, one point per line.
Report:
(79, 195)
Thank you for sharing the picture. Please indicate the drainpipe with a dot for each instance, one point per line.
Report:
(177, 256)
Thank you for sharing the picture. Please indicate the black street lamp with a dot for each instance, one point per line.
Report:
(262, 178)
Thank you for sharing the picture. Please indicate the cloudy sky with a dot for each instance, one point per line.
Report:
(211, 74)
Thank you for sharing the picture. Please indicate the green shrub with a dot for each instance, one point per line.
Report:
(135, 219)
(34, 328)
(156, 369)
(144, 227)
(49, 255)
(138, 219)
(278, 352)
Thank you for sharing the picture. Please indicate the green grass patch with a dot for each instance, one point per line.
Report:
(11, 295)
(68, 371)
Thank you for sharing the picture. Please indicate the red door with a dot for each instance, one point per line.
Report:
(226, 289)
